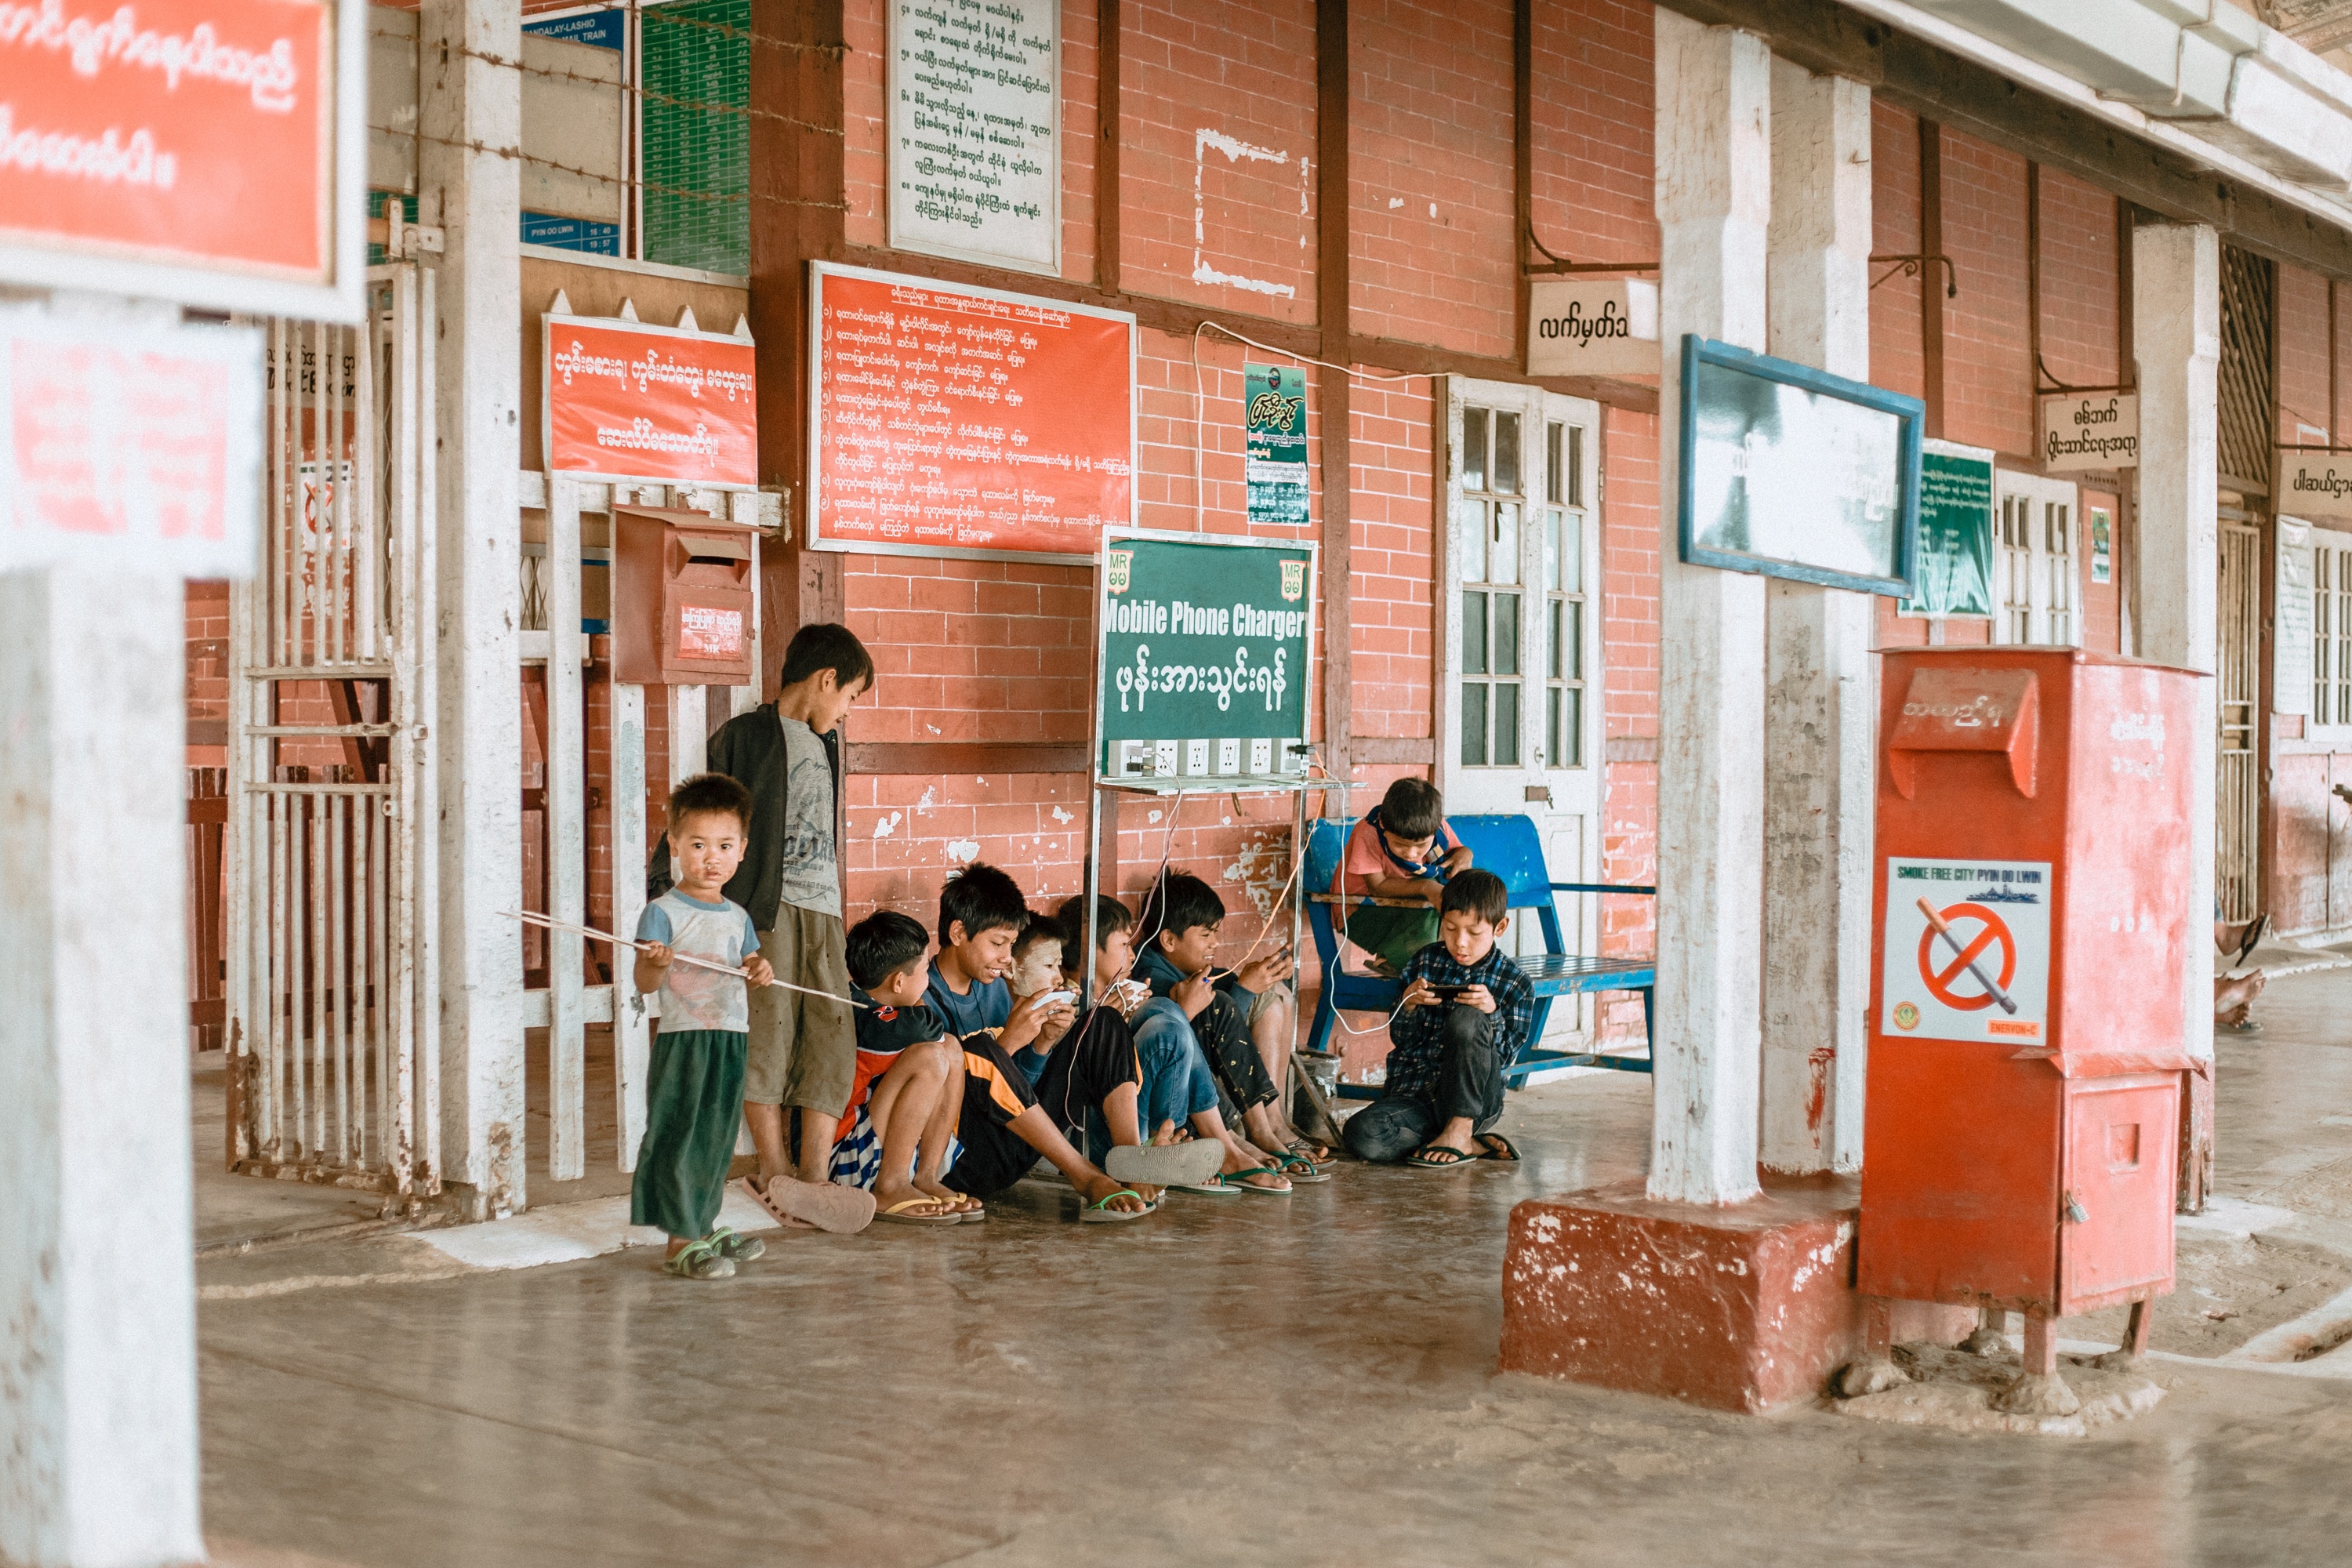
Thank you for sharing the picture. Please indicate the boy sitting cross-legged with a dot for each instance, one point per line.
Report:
(1464, 1019)
(900, 1115)
(695, 1082)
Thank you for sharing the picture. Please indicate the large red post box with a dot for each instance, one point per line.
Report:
(682, 612)
(2026, 1058)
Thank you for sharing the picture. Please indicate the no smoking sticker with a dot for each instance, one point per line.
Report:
(1967, 949)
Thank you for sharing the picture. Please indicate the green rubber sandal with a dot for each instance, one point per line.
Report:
(1239, 1182)
(699, 1260)
(1299, 1168)
(1100, 1212)
(735, 1246)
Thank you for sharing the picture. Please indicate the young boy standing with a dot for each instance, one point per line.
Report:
(1401, 849)
(1464, 1019)
(787, 753)
(696, 1080)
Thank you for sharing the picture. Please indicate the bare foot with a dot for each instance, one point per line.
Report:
(1095, 1189)
(887, 1194)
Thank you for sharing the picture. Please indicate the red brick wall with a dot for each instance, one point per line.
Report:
(2079, 282)
(1896, 361)
(1590, 175)
(2303, 414)
(1217, 140)
(1987, 363)
(1429, 173)
(1629, 570)
(1394, 477)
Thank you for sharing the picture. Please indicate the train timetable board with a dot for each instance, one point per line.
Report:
(953, 420)
(1204, 670)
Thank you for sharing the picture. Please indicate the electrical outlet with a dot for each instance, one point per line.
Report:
(1295, 756)
(1163, 759)
(1196, 758)
(1261, 755)
(1134, 758)
(1229, 755)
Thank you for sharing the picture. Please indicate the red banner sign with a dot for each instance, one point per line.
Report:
(171, 130)
(660, 404)
(952, 419)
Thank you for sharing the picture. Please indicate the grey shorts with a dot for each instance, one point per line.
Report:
(804, 1048)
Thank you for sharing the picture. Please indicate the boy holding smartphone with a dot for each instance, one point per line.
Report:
(1465, 1016)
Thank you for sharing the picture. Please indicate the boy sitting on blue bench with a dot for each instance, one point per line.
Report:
(1466, 1014)
(1401, 849)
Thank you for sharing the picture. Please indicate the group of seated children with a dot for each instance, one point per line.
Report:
(922, 1086)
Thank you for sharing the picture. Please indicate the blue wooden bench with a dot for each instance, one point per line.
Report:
(1508, 846)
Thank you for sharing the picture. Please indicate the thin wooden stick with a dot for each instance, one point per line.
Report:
(528, 918)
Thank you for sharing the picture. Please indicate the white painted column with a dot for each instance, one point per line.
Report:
(1820, 699)
(2177, 338)
(1714, 199)
(466, 99)
(98, 1354)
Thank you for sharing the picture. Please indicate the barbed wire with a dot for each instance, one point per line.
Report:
(518, 155)
(647, 93)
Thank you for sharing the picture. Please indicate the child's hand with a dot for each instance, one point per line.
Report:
(1456, 860)
(758, 971)
(1026, 1021)
(657, 953)
(1477, 996)
(1418, 994)
(1259, 974)
(1192, 994)
(1430, 889)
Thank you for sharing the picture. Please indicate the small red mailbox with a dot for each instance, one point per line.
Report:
(2025, 1051)
(681, 599)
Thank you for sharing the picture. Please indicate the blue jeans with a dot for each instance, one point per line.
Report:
(1176, 1082)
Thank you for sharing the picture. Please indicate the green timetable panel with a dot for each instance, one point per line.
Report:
(1205, 658)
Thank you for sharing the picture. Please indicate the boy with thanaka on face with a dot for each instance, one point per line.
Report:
(803, 1054)
(1465, 1015)
(1401, 849)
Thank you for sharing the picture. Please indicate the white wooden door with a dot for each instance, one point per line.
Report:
(2036, 582)
(1518, 606)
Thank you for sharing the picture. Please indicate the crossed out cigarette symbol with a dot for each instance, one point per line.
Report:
(1964, 955)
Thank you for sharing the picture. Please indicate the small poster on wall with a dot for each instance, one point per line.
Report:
(1273, 403)
(975, 131)
(2103, 558)
(1954, 564)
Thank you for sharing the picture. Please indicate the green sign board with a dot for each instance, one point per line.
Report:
(1204, 650)
(1274, 406)
(1953, 564)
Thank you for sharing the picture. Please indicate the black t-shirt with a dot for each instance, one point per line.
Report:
(887, 1031)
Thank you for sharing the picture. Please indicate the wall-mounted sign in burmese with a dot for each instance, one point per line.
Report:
(1601, 327)
(2314, 484)
(2095, 430)
(975, 131)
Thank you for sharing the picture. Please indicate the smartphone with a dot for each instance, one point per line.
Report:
(1056, 999)
(1127, 996)
(1448, 993)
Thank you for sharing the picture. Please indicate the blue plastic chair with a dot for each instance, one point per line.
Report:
(1508, 846)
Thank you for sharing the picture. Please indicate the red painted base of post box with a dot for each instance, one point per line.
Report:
(1748, 1308)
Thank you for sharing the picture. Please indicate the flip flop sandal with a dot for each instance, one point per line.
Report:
(1239, 1182)
(1100, 1212)
(1164, 1164)
(897, 1214)
(1438, 1157)
(2255, 931)
(1299, 1168)
(827, 1205)
(735, 1246)
(1495, 1146)
(1214, 1187)
(699, 1260)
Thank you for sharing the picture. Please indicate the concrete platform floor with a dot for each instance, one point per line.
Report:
(1289, 1382)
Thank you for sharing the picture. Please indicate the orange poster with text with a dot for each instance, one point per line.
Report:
(182, 131)
(628, 401)
(952, 418)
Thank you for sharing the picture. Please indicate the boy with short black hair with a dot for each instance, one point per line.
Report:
(787, 753)
(1177, 933)
(981, 913)
(899, 1119)
(1466, 1014)
(694, 1083)
(1401, 849)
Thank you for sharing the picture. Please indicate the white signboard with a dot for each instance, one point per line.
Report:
(1606, 327)
(2291, 673)
(2100, 431)
(2314, 484)
(975, 131)
(137, 447)
(1967, 951)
